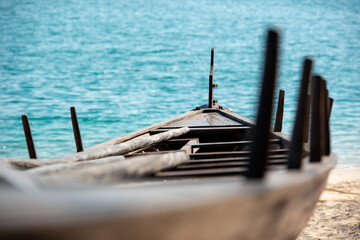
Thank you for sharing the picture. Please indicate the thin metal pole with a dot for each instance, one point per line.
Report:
(279, 112)
(29, 138)
(259, 147)
(76, 130)
(296, 148)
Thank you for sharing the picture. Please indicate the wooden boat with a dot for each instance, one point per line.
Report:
(209, 173)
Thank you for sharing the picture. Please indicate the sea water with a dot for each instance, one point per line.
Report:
(127, 64)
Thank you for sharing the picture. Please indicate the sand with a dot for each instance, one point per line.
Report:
(337, 214)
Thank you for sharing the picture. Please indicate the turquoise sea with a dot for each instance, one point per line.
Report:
(127, 64)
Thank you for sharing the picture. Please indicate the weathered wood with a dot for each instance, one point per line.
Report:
(229, 144)
(325, 118)
(211, 91)
(225, 164)
(212, 61)
(29, 138)
(140, 212)
(108, 151)
(316, 141)
(207, 129)
(114, 171)
(10, 178)
(230, 159)
(69, 167)
(262, 128)
(232, 153)
(296, 147)
(202, 172)
(76, 130)
(307, 118)
(208, 126)
(330, 107)
(139, 133)
(279, 112)
(188, 146)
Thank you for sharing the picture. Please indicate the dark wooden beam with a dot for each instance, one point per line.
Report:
(225, 164)
(279, 112)
(229, 144)
(316, 141)
(76, 130)
(326, 117)
(28, 137)
(232, 153)
(239, 159)
(212, 62)
(330, 107)
(296, 147)
(307, 118)
(262, 128)
(211, 81)
(207, 129)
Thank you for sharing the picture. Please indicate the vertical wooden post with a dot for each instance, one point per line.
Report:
(259, 147)
(28, 136)
(316, 141)
(330, 107)
(212, 62)
(307, 118)
(211, 91)
(296, 148)
(76, 130)
(211, 80)
(326, 117)
(279, 112)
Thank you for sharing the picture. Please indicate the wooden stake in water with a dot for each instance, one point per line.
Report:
(76, 130)
(28, 136)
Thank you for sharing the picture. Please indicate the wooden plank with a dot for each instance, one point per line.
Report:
(232, 153)
(118, 149)
(205, 126)
(149, 153)
(207, 129)
(205, 172)
(225, 164)
(114, 171)
(296, 146)
(132, 135)
(229, 144)
(230, 159)
(263, 120)
(279, 112)
(188, 146)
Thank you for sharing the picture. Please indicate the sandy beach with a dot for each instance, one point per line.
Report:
(337, 214)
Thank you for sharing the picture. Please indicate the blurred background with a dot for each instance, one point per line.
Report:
(127, 64)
